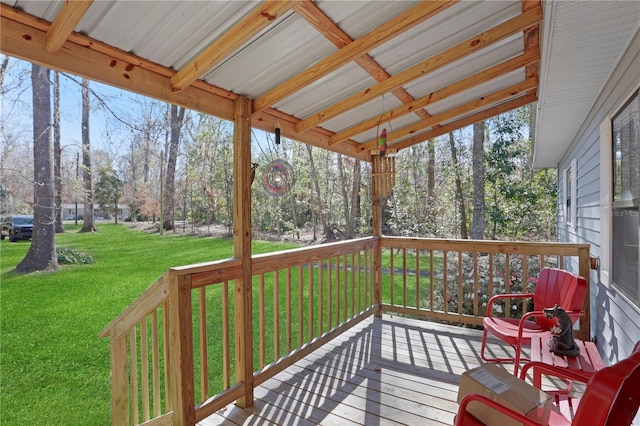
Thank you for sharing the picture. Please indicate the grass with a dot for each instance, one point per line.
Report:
(54, 369)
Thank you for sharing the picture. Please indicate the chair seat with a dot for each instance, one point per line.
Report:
(506, 329)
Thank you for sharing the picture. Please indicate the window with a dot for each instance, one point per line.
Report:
(570, 194)
(567, 196)
(625, 211)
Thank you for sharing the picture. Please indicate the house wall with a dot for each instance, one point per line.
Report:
(615, 322)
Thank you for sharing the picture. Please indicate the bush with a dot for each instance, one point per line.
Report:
(69, 256)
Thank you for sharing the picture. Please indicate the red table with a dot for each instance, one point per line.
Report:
(585, 364)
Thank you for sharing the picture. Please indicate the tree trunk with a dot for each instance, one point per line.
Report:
(318, 205)
(176, 120)
(42, 251)
(355, 198)
(348, 231)
(88, 224)
(459, 193)
(477, 224)
(57, 151)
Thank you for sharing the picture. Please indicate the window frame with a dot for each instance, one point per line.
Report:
(607, 205)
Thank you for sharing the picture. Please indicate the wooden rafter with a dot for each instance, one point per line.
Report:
(531, 37)
(317, 18)
(259, 18)
(457, 124)
(65, 22)
(438, 95)
(497, 33)
(380, 35)
(499, 96)
(24, 36)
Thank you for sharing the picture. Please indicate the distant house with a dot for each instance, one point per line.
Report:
(69, 211)
(594, 141)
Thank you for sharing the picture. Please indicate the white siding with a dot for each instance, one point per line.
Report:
(614, 322)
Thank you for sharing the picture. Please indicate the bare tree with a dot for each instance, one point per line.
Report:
(477, 224)
(57, 151)
(316, 194)
(42, 251)
(88, 223)
(459, 192)
(176, 119)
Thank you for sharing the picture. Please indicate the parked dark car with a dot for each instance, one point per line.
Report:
(18, 227)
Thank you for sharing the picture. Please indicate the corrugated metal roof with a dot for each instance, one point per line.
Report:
(164, 38)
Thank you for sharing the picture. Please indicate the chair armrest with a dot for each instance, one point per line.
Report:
(505, 296)
(551, 370)
(462, 410)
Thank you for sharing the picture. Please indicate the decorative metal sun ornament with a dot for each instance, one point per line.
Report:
(276, 178)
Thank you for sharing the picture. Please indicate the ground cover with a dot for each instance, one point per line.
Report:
(54, 369)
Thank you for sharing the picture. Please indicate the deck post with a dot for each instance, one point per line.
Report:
(584, 271)
(181, 330)
(376, 230)
(242, 246)
(119, 381)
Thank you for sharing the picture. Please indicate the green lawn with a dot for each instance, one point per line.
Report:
(54, 370)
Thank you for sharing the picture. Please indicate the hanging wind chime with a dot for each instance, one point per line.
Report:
(384, 161)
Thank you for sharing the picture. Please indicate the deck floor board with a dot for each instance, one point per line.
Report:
(384, 371)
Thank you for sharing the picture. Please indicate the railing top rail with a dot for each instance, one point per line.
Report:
(278, 260)
(153, 296)
(522, 247)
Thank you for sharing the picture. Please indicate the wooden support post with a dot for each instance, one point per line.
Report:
(376, 230)
(181, 329)
(242, 246)
(120, 411)
(584, 271)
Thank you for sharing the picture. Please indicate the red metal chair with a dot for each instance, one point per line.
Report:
(555, 286)
(611, 397)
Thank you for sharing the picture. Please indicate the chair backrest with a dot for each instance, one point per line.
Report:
(562, 288)
(612, 395)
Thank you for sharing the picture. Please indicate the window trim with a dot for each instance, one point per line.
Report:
(606, 199)
(570, 202)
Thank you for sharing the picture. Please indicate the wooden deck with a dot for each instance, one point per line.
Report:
(387, 371)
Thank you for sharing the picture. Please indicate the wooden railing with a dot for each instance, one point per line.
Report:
(173, 351)
(174, 355)
(452, 280)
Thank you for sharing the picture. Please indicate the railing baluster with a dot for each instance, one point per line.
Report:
(276, 314)
(353, 285)
(404, 277)
(431, 280)
(155, 363)
(320, 297)
(507, 284)
(133, 357)
(226, 358)
(300, 306)
(329, 292)
(144, 369)
(288, 310)
(475, 283)
(344, 289)
(417, 279)
(460, 283)
(445, 268)
(262, 322)
(204, 367)
(310, 303)
(392, 280)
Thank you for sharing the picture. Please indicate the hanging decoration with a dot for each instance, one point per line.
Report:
(276, 178)
(254, 166)
(277, 135)
(384, 163)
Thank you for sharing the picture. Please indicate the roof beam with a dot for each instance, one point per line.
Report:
(497, 33)
(65, 22)
(528, 98)
(321, 22)
(259, 18)
(457, 87)
(531, 37)
(476, 104)
(380, 35)
(24, 36)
